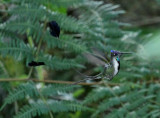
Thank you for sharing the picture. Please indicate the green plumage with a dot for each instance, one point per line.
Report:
(108, 72)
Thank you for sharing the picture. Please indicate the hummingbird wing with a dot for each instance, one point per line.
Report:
(94, 59)
(100, 54)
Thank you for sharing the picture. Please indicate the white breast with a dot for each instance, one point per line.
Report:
(115, 65)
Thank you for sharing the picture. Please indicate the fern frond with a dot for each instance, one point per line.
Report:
(21, 26)
(36, 109)
(154, 113)
(121, 102)
(124, 111)
(20, 93)
(59, 3)
(96, 95)
(67, 23)
(18, 49)
(32, 110)
(54, 89)
(66, 42)
(102, 92)
(8, 33)
(58, 63)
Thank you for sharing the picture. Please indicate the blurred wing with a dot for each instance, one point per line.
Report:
(96, 60)
(96, 57)
(100, 54)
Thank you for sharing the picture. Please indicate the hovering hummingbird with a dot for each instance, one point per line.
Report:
(110, 70)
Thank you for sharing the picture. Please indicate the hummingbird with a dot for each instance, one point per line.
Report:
(110, 70)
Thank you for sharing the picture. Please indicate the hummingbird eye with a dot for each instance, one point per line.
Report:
(115, 54)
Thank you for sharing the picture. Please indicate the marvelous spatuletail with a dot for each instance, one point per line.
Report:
(110, 70)
(55, 32)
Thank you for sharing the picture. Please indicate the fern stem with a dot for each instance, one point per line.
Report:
(30, 41)
(30, 72)
(53, 81)
(38, 48)
(16, 107)
(4, 69)
(39, 45)
(155, 102)
(44, 100)
(41, 39)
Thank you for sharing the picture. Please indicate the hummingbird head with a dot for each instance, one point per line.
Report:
(114, 53)
(118, 53)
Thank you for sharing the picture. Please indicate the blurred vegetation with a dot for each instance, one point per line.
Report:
(85, 25)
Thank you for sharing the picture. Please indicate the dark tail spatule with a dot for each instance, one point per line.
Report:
(54, 28)
(54, 31)
(33, 63)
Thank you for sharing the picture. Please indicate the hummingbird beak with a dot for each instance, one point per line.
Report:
(126, 52)
(121, 53)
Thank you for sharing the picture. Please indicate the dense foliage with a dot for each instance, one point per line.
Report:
(87, 25)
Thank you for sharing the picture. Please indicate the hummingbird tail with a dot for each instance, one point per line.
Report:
(88, 77)
(86, 80)
(80, 81)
